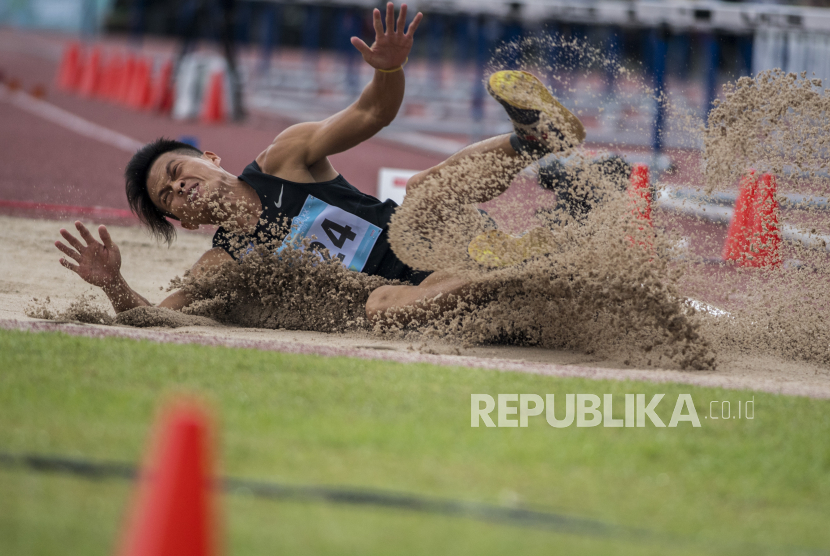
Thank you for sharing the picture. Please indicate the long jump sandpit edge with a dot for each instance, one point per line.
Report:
(693, 378)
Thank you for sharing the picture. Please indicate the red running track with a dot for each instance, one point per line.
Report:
(56, 172)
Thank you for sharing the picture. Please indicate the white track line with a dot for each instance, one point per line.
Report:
(70, 121)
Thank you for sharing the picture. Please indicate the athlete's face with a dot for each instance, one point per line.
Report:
(183, 185)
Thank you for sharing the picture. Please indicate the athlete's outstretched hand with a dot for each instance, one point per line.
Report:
(98, 263)
(391, 47)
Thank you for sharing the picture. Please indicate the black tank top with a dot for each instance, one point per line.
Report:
(350, 224)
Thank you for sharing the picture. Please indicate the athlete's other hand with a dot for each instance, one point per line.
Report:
(98, 263)
(391, 47)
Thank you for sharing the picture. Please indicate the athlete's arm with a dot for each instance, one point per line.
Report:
(309, 143)
(99, 264)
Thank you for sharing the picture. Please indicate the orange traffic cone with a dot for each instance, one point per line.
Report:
(139, 94)
(109, 75)
(167, 101)
(125, 81)
(104, 82)
(639, 193)
(70, 67)
(737, 236)
(91, 76)
(765, 242)
(161, 96)
(213, 106)
(753, 238)
(174, 514)
(736, 247)
(119, 72)
(640, 190)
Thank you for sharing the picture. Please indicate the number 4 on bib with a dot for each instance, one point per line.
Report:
(346, 236)
(343, 233)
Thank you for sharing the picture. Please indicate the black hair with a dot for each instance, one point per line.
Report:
(136, 174)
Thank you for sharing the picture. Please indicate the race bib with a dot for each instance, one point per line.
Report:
(346, 236)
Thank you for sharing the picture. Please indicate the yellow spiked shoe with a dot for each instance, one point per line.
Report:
(497, 249)
(538, 118)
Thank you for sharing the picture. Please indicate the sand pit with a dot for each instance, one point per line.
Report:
(29, 269)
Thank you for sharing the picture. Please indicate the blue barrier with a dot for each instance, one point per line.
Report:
(482, 56)
(681, 47)
(659, 49)
(186, 15)
(271, 26)
(512, 34)
(138, 9)
(613, 62)
(435, 48)
(465, 30)
(745, 50)
(712, 58)
(244, 15)
(351, 26)
(311, 28)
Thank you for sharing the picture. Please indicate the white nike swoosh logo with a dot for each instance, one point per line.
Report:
(279, 203)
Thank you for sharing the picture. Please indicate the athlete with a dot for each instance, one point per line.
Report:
(293, 180)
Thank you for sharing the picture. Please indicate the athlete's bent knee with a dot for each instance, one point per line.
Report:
(415, 181)
(379, 301)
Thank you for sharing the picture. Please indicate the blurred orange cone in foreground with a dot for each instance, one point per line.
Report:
(174, 512)
(70, 67)
(753, 238)
(213, 107)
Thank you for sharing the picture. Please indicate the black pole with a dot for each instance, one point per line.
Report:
(229, 46)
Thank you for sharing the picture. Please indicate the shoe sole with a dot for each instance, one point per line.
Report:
(524, 91)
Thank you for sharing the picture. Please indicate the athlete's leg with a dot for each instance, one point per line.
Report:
(499, 145)
(439, 292)
(438, 213)
(434, 202)
(541, 126)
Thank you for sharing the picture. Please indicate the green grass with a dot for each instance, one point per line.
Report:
(729, 487)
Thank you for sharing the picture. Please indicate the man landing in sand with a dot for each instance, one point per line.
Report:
(293, 181)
